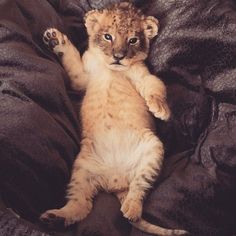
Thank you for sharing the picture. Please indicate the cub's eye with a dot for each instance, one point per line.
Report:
(107, 37)
(133, 41)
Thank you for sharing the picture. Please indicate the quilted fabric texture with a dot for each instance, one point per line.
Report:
(10, 225)
(194, 54)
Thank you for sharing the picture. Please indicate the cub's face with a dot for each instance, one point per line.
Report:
(120, 35)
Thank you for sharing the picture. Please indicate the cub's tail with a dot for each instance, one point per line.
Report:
(147, 227)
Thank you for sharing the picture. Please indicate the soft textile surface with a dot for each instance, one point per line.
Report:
(194, 54)
(11, 226)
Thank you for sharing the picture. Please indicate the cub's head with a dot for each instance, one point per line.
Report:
(120, 34)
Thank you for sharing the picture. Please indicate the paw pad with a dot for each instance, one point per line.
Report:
(55, 40)
(50, 38)
(53, 43)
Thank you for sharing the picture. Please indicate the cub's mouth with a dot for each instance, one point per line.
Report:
(118, 66)
(117, 63)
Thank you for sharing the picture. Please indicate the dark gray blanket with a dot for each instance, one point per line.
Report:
(194, 54)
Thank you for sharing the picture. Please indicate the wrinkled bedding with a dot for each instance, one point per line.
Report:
(194, 54)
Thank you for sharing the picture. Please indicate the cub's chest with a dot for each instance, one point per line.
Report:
(111, 88)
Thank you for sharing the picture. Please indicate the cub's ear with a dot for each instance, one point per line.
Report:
(92, 20)
(150, 25)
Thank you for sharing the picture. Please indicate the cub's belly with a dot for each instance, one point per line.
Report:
(121, 150)
(118, 154)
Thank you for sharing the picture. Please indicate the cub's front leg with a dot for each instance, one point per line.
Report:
(69, 56)
(152, 89)
(155, 97)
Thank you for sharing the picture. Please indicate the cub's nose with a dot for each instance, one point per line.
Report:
(119, 56)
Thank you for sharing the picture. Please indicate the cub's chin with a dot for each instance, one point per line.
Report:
(118, 67)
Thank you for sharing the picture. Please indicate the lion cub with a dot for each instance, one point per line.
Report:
(119, 151)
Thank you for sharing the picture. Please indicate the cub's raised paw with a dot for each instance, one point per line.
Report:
(159, 107)
(56, 41)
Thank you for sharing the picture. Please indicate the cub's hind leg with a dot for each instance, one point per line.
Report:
(81, 190)
(151, 151)
(132, 201)
(69, 56)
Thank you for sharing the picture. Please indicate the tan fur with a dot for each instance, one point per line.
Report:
(119, 151)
